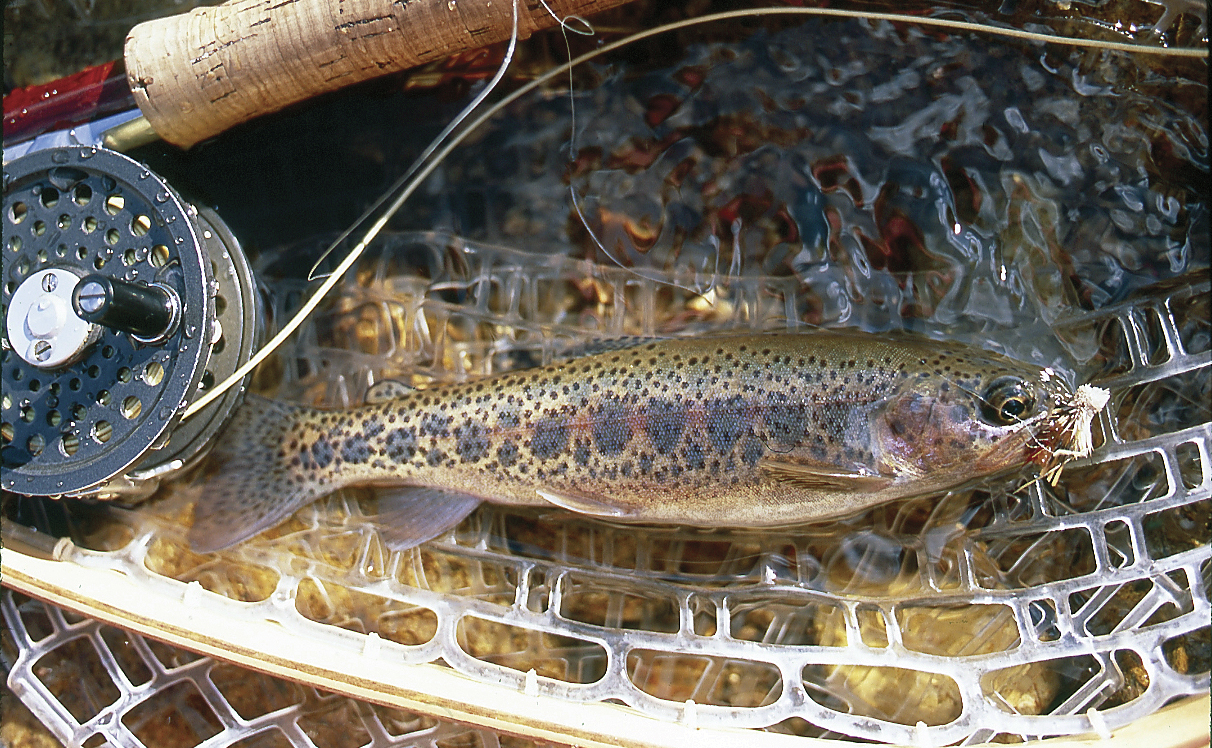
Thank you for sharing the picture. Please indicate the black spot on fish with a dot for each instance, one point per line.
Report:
(833, 419)
(471, 441)
(435, 457)
(726, 422)
(355, 449)
(550, 437)
(694, 457)
(401, 444)
(645, 463)
(581, 453)
(433, 424)
(752, 452)
(664, 423)
(372, 428)
(507, 453)
(786, 422)
(322, 453)
(611, 430)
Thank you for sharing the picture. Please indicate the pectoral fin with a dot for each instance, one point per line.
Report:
(583, 503)
(824, 478)
(411, 515)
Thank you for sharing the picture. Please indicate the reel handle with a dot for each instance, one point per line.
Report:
(196, 74)
(148, 312)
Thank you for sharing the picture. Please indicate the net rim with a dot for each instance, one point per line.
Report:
(171, 613)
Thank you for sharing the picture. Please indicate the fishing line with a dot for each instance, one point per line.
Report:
(572, 154)
(312, 275)
(703, 292)
(655, 277)
(572, 103)
(420, 174)
(405, 191)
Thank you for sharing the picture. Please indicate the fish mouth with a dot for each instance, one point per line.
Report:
(1065, 433)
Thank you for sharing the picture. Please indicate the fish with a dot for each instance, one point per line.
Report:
(754, 430)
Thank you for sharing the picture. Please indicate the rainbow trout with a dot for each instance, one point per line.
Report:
(752, 431)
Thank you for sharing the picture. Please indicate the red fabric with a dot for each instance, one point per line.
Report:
(93, 92)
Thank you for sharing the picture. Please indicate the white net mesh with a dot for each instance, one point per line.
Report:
(991, 612)
(94, 685)
(890, 178)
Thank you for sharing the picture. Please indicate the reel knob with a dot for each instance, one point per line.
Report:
(149, 312)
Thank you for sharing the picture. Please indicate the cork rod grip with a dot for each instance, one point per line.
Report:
(196, 74)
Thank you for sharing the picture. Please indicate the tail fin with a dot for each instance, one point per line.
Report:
(250, 486)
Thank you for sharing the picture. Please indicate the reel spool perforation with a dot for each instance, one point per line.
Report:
(84, 403)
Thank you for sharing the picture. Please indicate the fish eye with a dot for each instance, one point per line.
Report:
(1005, 401)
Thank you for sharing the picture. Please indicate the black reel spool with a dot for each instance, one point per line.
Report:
(122, 304)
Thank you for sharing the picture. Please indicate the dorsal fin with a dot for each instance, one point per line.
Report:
(605, 345)
(385, 390)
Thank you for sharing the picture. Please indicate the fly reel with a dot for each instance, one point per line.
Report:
(122, 304)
